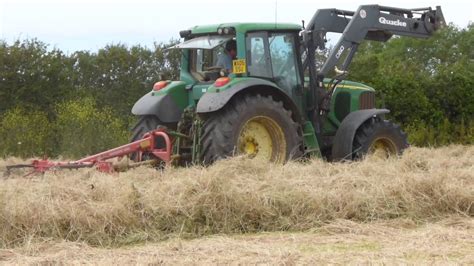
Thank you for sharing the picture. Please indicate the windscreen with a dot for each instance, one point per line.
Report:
(204, 42)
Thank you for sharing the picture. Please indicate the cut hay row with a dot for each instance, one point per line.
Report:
(449, 241)
(234, 196)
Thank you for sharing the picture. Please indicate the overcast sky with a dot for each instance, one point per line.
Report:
(72, 25)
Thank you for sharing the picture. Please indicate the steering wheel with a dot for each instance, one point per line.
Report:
(214, 68)
(222, 71)
(201, 75)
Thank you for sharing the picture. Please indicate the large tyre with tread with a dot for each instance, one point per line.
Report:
(146, 124)
(381, 137)
(253, 125)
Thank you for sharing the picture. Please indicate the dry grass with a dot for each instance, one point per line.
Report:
(393, 242)
(235, 196)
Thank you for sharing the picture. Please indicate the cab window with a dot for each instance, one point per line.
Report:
(272, 56)
(258, 60)
(204, 52)
(202, 62)
(284, 64)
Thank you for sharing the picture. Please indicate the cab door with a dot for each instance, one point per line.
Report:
(258, 55)
(272, 55)
(284, 61)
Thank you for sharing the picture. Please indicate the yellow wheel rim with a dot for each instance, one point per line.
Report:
(262, 138)
(383, 147)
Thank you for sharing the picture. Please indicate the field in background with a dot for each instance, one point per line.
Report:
(416, 208)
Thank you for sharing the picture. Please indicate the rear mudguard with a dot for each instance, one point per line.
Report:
(343, 141)
(167, 104)
(161, 106)
(213, 101)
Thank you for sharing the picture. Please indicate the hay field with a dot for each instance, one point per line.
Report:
(393, 242)
(415, 208)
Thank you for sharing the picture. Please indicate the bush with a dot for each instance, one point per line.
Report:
(422, 134)
(25, 133)
(83, 128)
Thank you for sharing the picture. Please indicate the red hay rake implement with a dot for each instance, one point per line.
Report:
(148, 146)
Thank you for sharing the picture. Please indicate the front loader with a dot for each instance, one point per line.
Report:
(275, 104)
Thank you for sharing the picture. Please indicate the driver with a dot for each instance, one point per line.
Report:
(225, 59)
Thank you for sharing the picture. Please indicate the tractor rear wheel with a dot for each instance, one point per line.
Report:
(379, 137)
(146, 124)
(252, 125)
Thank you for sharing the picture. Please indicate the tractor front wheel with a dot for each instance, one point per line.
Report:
(379, 137)
(252, 125)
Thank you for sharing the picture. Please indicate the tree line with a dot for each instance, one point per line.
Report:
(33, 75)
(72, 104)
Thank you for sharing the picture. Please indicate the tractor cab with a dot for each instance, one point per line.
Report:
(264, 50)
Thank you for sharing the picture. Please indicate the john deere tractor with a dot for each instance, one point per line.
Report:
(275, 103)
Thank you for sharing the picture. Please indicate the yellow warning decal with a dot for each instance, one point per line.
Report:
(239, 66)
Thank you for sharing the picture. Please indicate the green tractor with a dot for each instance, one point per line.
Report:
(270, 100)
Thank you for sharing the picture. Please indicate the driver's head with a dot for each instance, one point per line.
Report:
(231, 47)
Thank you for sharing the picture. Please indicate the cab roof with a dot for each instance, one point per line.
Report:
(244, 27)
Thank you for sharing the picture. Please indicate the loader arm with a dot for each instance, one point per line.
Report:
(372, 22)
(337, 20)
(369, 22)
